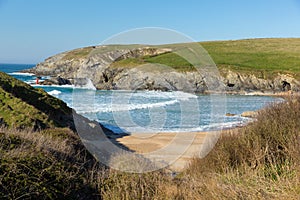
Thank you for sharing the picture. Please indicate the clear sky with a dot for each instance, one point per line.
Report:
(32, 30)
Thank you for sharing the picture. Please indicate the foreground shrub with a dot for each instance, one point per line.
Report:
(258, 161)
(36, 165)
(154, 185)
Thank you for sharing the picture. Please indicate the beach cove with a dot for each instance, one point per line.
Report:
(145, 135)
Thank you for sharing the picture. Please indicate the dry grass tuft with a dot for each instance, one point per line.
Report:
(44, 165)
(261, 161)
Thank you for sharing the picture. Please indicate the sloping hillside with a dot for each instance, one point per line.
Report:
(22, 106)
(268, 56)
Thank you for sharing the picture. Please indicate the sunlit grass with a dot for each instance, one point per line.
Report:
(267, 56)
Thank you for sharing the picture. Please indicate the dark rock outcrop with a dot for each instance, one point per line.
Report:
(63, 81)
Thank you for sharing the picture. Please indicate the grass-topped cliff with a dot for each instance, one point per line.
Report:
(260, 65)
(266, 55)
(22, 106)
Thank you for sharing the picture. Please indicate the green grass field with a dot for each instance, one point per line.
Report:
(271, 55)
(267, 56)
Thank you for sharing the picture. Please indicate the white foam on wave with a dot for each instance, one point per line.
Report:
(45, 77)
(54, 92)
(183, 96)
(120, 105)
(55, 86)
(100, 108)
(89, 85)
(179, 95)
(32, 82)
(21, 74)
(210, 127)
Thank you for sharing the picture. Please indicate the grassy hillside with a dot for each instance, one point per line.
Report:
(51, 164)
(39, 160)
(268, 56)
(22, 106)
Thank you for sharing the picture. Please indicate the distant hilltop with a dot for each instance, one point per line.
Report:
(252, 65)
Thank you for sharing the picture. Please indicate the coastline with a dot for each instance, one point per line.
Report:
(150, 143)
(68, 83)
(145, 143)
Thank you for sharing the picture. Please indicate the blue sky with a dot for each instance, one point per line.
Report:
(32, 30)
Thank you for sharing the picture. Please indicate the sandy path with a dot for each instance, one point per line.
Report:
(175, 148)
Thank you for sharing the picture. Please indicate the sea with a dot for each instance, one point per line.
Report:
(150, 111)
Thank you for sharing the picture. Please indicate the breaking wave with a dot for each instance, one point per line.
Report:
(54, 92)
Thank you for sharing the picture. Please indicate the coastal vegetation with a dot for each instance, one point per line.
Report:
(49, 164)
(265, 57)
(22, 106)
(259, 161)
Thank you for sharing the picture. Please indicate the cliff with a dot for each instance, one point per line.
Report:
(265, 65)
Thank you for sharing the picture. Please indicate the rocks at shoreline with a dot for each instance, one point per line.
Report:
(56, 81)
(230, 114)
(250, 114)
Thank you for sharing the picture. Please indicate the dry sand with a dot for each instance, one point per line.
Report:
(178, 147)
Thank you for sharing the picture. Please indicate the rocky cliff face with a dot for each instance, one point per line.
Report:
(98, 66)
(249, 82)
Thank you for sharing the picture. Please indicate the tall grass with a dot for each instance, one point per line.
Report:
(46, 165)
(259, 161)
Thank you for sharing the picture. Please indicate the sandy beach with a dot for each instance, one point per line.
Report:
(167, 145)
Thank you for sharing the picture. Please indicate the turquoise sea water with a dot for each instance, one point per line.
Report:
(151, 111)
